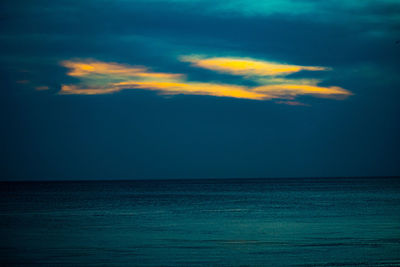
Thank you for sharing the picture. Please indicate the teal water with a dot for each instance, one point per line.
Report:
(246, 222)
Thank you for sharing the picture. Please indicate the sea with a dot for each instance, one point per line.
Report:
(204, 222)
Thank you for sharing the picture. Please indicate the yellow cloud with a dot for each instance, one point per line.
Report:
(93, 67)
(290, 91)
(246, 66)
(81, 90)
(169, 88)
(194, 88)
(128, 77)
(103, 78)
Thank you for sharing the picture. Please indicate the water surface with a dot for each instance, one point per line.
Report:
(250, 222)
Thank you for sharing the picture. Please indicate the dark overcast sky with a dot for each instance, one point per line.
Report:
(146, 89)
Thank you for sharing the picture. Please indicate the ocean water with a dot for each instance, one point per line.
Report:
(241, 222)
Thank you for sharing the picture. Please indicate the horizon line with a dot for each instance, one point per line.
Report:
(194, 179)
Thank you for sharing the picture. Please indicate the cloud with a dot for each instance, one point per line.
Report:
(97, 77)
(246, 66)
(197, 88)
(93, 67)
(104, 78)
(23, 82)
(82, 90)
(291, 103)
(270, 75)
(290, 91)
(41, 88)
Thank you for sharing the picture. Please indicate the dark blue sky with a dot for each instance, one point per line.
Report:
(199, 89)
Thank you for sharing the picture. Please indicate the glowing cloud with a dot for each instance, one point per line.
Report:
(246, 66)
(290, 91)
(193, 88)
(93, 90)
(103, 78)
(92, 67)
(169, 88)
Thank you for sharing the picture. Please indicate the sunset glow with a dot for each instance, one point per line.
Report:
(103, 78)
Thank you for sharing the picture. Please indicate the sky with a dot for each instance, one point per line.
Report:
(165, 89)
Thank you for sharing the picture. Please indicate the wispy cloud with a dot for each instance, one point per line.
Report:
(291, 103)
(118, 71)
(99, 77)
(246, 66)
(291, 91)
(103, 78)
(270, 76)
(42, 88)
(23, 82)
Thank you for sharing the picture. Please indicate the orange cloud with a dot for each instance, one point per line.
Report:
(93, 90)
(194, 88)
(93, 67)
(115, 77)
(169, 88)
(41, 88)
(103, 78)
(246, 66)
